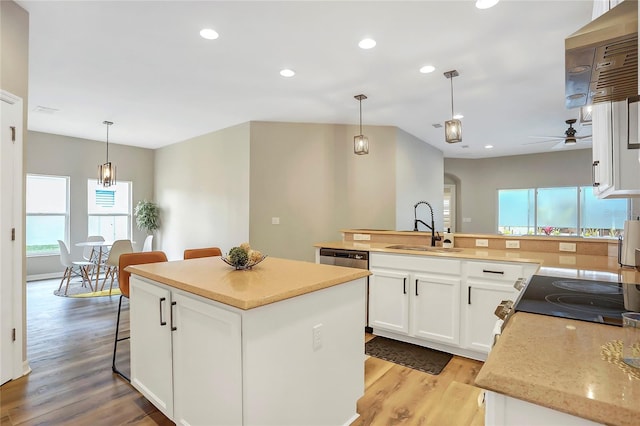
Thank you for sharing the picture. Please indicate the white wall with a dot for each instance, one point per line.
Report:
(420, 177)
(58, 155)
(479, 180)
(202, 188)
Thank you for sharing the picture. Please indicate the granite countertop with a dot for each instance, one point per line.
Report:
(563, 364)
(565, 264)
(271, 281)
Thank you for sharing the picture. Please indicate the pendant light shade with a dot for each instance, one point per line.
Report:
(107, 171)
(360, 142)
(453, 127)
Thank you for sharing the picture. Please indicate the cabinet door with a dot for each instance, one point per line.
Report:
(602, 148)
(389, 300)
(207, 363)
(151, 356)
(482, 300)
(436, 308)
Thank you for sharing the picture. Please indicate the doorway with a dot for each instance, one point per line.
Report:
(449, 208)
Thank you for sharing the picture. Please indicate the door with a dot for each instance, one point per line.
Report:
(10, 237)
(151, 353)
(207, 363)
(389, 300)
(436, 308)
(482, 300)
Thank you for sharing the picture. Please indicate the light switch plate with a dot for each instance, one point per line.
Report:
(275, 221)
(567, 247)
(512, 244)
(361, 237)
(482, 243)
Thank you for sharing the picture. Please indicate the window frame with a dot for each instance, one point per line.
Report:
(66, 215)
(128, 215)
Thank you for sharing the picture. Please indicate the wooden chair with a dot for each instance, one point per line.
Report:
(202, 252)
(126, 259)
(71, 266)
(118, 248)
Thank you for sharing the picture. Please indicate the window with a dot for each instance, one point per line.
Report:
(109, 210)
(47, 202)
(567, 211)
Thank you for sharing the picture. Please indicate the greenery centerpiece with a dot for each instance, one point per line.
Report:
(147, 215)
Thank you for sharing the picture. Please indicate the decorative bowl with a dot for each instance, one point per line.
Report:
(247, 265)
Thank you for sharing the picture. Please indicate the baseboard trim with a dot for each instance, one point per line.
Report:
(38, 277)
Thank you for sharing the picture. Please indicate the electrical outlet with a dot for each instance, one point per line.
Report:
(567, 247)
(482, 243)
(361, 237)
(317, 337)
(275, 221)
(512, 244)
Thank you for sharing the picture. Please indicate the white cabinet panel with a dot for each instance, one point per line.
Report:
(207, 364)
(389, 300)
(436, 308)
(151, 352)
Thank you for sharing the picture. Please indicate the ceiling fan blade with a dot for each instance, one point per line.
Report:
(559, 145)
(548, 137)
(583, 137)
(548, 140)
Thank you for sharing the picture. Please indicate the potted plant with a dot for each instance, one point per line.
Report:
(147, 215)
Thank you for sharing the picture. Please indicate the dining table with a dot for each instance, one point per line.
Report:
(99, 250)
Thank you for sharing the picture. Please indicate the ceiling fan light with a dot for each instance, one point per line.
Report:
(453, 131)
(570, 141)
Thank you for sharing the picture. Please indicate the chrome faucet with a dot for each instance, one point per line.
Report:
(416, 221)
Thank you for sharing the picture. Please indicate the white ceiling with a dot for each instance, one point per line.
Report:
(143, 65)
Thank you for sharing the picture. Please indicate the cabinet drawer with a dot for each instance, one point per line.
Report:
(416, 263)
(495, 271)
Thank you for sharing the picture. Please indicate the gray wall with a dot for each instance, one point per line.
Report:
(225, 187)
(479, 180)
(420, 177)
(202, 188)
(50, 154)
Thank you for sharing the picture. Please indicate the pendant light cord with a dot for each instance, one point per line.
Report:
(361, 116)
(107, 143)
(451, 96)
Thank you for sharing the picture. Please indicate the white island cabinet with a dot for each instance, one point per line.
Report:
(278, 345)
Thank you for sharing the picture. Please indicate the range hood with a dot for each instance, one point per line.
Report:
(601, 58)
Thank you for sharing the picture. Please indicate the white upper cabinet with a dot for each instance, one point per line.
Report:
(616, 167)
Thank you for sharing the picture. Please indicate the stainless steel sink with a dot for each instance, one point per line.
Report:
(423, 248)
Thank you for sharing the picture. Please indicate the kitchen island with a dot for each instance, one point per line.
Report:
(280, 344)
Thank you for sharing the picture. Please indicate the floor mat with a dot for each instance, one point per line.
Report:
(413, 356)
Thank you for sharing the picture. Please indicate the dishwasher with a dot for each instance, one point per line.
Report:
(352, 259)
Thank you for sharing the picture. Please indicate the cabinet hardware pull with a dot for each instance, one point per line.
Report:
(488, 271)
(416, 287)
(469, 295)
(593, 173)
(173, 327)
(162, 322)
(404, 286)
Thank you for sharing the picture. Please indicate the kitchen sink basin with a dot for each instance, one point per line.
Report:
(423, 248)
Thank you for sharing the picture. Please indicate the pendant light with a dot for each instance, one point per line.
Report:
(360, 142)
(453, 127)
(107, 171)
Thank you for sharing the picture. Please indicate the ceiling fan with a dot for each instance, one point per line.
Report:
(569, 138)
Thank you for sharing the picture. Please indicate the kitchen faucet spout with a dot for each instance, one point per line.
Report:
(416, 221)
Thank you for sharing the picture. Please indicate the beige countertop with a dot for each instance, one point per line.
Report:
(565, 264)
(562, 364)
(270, 281)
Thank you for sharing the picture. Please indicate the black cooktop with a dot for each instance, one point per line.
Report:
(586, 300)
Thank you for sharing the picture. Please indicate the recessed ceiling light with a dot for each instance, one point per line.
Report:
(488, 146)
(427, 69)
(367, 43)
(486, 4)
(287, 72)
(458, 116)
(208, 33)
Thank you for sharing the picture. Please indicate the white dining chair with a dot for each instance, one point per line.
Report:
(79, 268)
(119, 247)
(147, 243)
(90, 254)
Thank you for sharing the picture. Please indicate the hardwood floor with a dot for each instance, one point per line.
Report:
(69, 347)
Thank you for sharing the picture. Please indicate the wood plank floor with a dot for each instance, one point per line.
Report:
(69, 347)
